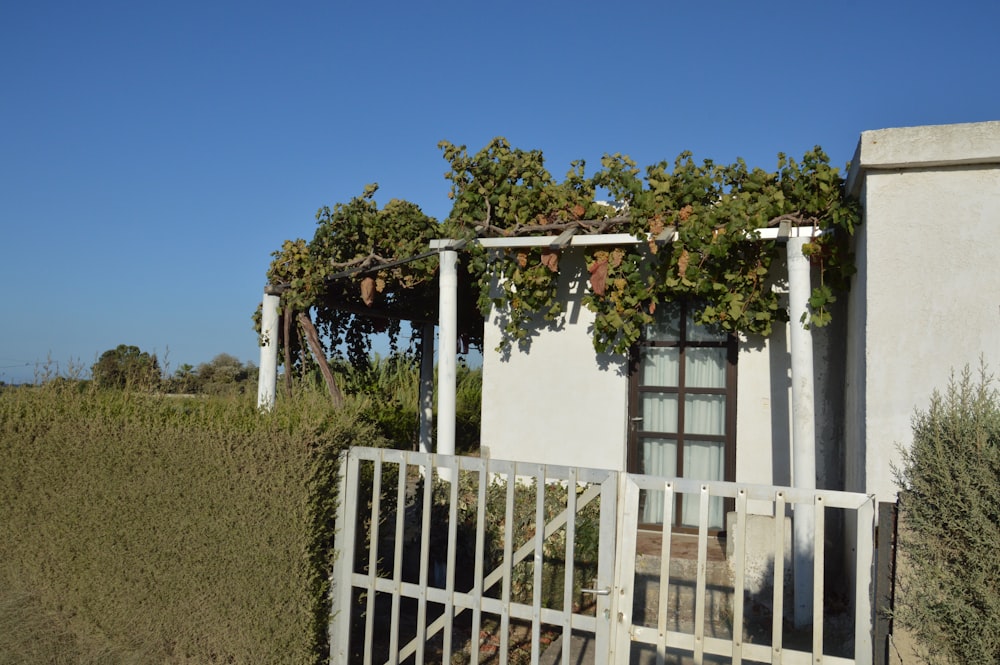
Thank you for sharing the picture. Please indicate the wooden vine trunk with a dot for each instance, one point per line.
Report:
(312, 338)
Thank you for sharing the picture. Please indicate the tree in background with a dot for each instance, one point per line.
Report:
(127, 366)
(224, 373)
(950, 525)
(183, 381)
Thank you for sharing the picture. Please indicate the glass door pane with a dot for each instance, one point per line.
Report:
(658, 412)
(661, 366)
(705, 460)
(659, 458)
(705, 414)
(705, 367)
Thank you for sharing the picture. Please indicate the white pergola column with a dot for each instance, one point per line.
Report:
(267, 376)
(803, 428)
(447, 362)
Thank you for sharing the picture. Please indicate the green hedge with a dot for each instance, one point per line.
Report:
(143, 528)
(950, 525)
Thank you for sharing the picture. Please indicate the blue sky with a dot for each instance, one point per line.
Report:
(154, 154)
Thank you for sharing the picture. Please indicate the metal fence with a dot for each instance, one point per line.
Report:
(459, 559)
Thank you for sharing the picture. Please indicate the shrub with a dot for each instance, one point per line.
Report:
(142, 528)
(392, 385)
(950, 525)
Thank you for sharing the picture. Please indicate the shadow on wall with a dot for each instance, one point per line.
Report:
(759, 588)
(829, 352)
(780, 361)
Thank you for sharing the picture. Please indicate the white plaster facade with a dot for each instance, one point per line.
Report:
(560, 402)
(925, 301)
(926, 297)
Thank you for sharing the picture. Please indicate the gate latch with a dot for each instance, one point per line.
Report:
(598, 592)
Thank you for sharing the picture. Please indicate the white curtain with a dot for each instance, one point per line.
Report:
(661, 366)
(703, 460)
(659, 458)
(705, 367)
(703, 414)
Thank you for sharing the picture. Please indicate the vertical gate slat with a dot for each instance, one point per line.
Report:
(508, 551)
(606, 564)
(343, 567)
(819, 555)
(536, 591)
(665, 547)
(739, 554)
(699, 603)
(477, 583)
(778, 602)
(449, 607)
(373, 554)
(621, 605)
(425, 536)
(567, 628)
(397, 559)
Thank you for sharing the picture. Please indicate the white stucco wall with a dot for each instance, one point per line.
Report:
(558, 403)
(562, 403)
(927, 297)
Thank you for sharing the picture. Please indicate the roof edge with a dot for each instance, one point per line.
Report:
(924, 147)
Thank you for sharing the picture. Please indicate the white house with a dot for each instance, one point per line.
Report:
(924, 303)
(925, 300)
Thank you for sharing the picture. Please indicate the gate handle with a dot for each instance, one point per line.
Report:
(598, 592)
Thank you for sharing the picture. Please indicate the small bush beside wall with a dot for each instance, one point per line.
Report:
(143, 528)
(950, 525)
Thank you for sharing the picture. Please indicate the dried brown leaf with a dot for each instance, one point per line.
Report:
(550, 259)
(368, 290)
(599, 276)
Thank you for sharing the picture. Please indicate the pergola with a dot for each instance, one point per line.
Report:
(447, 250)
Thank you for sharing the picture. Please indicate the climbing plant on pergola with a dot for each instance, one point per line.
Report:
(695, 233)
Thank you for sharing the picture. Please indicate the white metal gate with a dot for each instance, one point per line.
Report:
(371, 621)
(411, 583)
(841, 626)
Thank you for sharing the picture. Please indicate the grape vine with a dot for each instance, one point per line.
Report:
(696, 229)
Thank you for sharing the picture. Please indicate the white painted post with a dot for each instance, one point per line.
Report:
(803, 428)
(447, 362)
(267, 377)
(426, 406)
